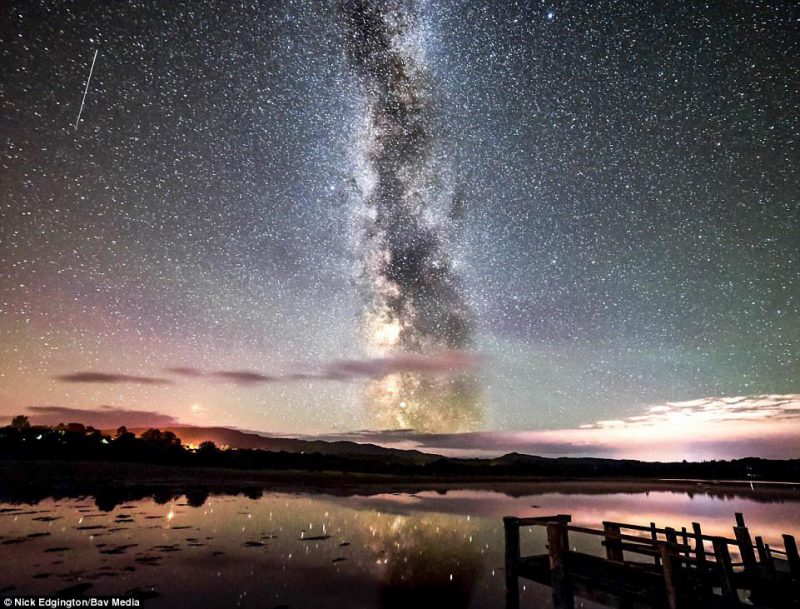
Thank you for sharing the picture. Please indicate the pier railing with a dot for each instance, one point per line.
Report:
(654, 566)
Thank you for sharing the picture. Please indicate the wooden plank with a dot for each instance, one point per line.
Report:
(672, 539)
(739, 519)
(654, 537)
(685, 541)
(764, 557)
(670, 568)
(613, 541)
(699, 548)
(635, 527)
(723, 558)
(655, 531)
(745, 544)
(790, 545)
(558, 548)
(637, 548)
(543, 520)
(623, 536)
(511, 526)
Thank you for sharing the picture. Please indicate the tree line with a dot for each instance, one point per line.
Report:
(78, 442)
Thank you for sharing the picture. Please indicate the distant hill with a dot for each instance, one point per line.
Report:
(233, 438)
(253, 451)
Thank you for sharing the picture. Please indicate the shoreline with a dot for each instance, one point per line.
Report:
(40, 479)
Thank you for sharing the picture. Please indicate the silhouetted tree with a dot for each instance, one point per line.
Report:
(165, 439)
(196, 497)
(151, 435)
(207, 448)
(123, 435)
(20, 422)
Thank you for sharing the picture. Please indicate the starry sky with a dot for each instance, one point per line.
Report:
(320, 217)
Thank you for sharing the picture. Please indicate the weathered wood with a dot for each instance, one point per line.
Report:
(685, 541)
(671, 535)
(511, 526)
(764, 557)
(654, 537)
(558, 547)
(613, 541)
(745, 544)
(687, 574)
(790, 545)
(645, 549)
(699, 548)
(670, 569)
(723, 557)
(543, 520)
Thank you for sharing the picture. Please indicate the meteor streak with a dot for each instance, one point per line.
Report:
(86, 90)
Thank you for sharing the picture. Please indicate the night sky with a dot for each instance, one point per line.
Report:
(308, 217)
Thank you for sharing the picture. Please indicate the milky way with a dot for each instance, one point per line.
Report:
(414, 300)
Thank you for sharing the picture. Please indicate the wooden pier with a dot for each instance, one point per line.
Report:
(649, 567)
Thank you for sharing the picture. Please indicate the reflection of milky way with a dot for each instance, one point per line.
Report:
(405, 194)
(430, 560)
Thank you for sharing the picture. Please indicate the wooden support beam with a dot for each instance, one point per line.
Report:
(558, 548)
(685, 541)
(745, 544)
(670, 569)
(654, 537)
(511, 526)
(699, 548)
(764, 557)
(543, 520)
(739, 519)
(613, 541)
(790, 545)
(671, 535)
(723, 558)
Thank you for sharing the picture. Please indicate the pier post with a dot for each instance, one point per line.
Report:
(558, 547)
(511, 526)
(723, 558)
(670, 569)
(790, 545)
(613, 541)
(654, 537)
(671, 535)
(745, 544)
(764, 557)
(699, 548)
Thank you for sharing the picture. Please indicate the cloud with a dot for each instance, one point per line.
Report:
(242, 377)
(710, 410)
(709, 428)
(102, 417)
(445, 362)
(185, 371)
(105, 377)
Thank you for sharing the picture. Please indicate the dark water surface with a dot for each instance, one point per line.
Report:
(427, 549)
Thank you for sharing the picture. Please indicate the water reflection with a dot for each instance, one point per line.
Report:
(430, 561)
(424, 549)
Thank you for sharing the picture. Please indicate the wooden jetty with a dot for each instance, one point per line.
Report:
(652, 567)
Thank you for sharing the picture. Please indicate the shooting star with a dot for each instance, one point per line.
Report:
(86, 90)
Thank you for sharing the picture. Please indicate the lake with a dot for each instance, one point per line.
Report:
(431, 548)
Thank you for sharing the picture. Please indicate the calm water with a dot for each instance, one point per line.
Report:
(390, 550)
